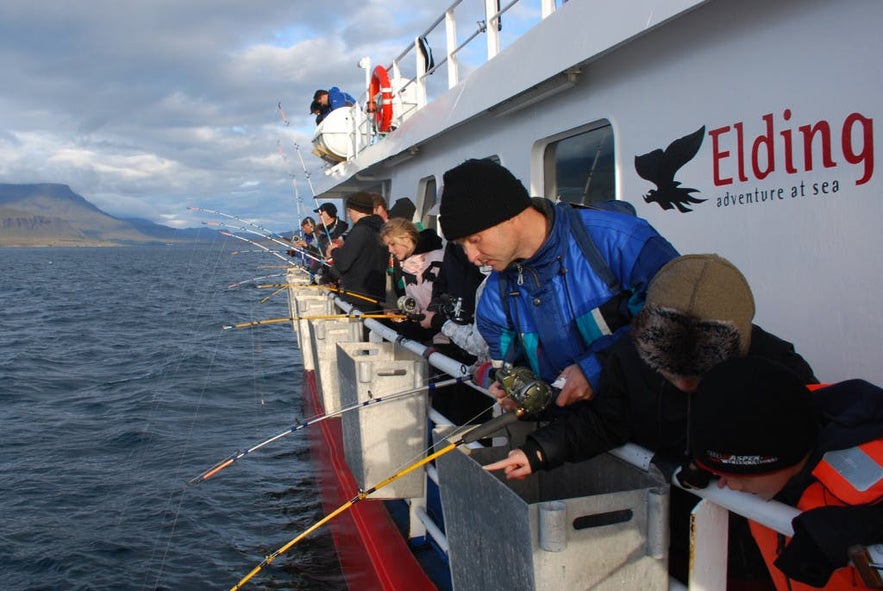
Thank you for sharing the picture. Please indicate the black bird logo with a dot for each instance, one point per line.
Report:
(660, 168)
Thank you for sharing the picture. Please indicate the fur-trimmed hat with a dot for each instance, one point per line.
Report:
(698, 312)
(360, 201)
(477, 195)
(751, 416)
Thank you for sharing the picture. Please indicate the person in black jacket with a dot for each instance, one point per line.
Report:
(360, 259)
(698, 313)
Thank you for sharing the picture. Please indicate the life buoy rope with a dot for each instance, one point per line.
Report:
(382, 108)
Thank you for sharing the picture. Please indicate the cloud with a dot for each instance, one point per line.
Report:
(146, 108)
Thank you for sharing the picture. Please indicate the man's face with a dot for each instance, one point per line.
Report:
(325, 218)
(323, 99)
(765, 486)
(308, 229)
(495, 247)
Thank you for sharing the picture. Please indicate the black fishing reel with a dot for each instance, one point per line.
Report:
(522, 386)
(452, 308)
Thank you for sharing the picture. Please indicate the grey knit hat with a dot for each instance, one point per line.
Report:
(477, 195)
(698, 313)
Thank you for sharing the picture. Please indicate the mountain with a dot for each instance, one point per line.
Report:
(50, 214)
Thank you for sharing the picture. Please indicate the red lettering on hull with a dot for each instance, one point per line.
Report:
(812, 146)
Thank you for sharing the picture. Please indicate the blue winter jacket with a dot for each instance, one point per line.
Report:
(560, 299)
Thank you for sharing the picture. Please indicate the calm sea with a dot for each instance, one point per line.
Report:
(117, 386)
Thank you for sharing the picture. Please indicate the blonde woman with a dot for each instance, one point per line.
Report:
(418, 258)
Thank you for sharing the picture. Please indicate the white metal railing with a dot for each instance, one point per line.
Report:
(410, 92)
(709, 528)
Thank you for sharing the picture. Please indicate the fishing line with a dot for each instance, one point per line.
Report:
(171, 508)
(160, 553)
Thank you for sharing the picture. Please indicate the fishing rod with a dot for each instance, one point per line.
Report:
(344, 292)
(286, 244)
(479, 432)
(235, 252)
(266, 299)
(316, 317)
(298, 201)
(304, 167)
(239, 454)
(261, 246)
(331, 289)
(253, 279)
(239, 219)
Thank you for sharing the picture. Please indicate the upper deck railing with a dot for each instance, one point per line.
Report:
(410, 72)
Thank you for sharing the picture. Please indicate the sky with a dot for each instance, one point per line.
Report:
(149, 108)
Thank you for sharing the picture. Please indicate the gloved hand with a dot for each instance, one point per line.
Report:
(483, 374)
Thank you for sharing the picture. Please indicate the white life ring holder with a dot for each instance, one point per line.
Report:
(382, 112)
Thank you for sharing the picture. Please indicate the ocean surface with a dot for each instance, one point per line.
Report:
(118, 385)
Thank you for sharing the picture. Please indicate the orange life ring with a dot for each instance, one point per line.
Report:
(382, 110)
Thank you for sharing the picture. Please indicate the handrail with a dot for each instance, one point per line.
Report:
(772, 514)
(402, 86)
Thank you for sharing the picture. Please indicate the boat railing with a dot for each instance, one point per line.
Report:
(709, 520)
(411, 87)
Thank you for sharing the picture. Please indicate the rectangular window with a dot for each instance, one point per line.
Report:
(580, 167)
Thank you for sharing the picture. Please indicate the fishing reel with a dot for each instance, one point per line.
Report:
(522, 386)
(407, 304)
(452, 308)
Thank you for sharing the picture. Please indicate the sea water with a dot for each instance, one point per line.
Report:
(118, 385)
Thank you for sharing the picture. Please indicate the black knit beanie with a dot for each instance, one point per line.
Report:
(477, 195)
(751, 416)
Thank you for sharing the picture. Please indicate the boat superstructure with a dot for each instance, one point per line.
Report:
(744, 128)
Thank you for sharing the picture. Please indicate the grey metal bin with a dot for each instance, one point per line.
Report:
(382, 439)
(599, 524)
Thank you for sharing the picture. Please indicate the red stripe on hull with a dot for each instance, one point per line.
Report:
(371, 550)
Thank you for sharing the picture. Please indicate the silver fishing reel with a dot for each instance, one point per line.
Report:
(522, 386)
(407, 304)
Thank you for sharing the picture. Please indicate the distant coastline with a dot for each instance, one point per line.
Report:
(52, 215)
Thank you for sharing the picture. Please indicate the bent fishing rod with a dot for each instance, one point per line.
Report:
(285, 244)
(239, 454)
(261, 246)
(480, 432)
(239, 219)
(254, 323)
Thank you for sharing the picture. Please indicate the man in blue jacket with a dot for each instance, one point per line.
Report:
(325, 101)
(546, 303)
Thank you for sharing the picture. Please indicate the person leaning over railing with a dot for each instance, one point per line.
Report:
(757, 426)
(698, 313)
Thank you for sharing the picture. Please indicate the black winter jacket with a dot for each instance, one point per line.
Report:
(361, 262)
(635, 403)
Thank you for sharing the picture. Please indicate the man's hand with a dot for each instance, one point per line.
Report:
(426, 322)
(503, 399)
(576, 386)
(515, 466)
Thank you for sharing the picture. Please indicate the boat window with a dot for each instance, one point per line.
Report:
(580, 167)
(427, 195)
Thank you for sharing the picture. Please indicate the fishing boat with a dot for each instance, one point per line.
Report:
(744, 128)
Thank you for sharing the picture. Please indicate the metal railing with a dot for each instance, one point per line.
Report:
(412, 92)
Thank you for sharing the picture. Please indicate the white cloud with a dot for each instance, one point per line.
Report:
(146, 108)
